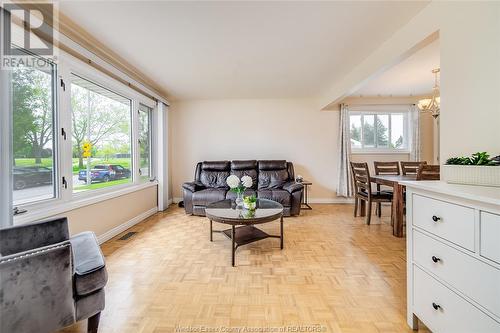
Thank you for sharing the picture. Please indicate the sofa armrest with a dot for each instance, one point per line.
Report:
(30, 236)
(293, 187)
(193, 186)
(87, 254)
(90, 269)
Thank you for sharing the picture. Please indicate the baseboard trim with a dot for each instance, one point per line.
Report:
(124, 226)
(338, 200)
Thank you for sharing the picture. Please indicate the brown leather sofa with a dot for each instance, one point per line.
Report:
(272, 179)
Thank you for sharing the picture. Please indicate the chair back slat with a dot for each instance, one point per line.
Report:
(386, 168)
(411, 168)
(361, 177)
(428, 172)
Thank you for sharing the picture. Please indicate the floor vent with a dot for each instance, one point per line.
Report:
(127, 235)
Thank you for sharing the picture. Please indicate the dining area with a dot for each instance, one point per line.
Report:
(386, 186)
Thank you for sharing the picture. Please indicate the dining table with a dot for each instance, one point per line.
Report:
(398, 204)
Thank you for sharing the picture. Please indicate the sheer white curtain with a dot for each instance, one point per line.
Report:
(344, 187)
(414, 133)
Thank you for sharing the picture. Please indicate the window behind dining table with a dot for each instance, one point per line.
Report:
(379, 131)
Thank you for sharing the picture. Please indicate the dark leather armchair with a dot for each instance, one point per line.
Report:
(49, 280)
(272, 180)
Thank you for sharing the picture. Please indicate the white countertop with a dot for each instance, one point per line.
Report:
(484, 194)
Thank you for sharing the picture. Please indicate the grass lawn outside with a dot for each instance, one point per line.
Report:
(47, 162)
(95, 186)
(28, 162)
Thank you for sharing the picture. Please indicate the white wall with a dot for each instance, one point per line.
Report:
(470, 79)
(110, 217)
(294, 130)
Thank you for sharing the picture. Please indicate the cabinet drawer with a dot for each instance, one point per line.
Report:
(490, 236)
(452, 222)
(475, 279)
(454, 314)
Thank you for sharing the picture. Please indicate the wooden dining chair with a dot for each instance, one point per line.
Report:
(363, 195)
(385, 168)
(428, 172)
(411, 168)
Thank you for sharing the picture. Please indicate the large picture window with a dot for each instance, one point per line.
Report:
(380, 131)
(101, 136)
(33, 142)
(78, 136)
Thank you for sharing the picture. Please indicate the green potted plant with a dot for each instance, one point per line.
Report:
(477, 169)
(250, 202)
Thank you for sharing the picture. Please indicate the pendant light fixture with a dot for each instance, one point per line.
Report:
(432, 105)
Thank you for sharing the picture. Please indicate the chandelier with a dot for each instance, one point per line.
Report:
(432, 105)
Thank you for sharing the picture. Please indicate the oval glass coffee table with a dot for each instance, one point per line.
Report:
(243, 221)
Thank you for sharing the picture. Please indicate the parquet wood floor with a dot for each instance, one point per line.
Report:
(336, 274)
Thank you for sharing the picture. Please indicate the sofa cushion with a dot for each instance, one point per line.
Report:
(214, 174)
(281, 196)
(248, 192)
(245, 168)
(244, 165)
(272, 179)
(273, 174)
(272, 165)
(215, 166)
(205, 197)
(214, 179)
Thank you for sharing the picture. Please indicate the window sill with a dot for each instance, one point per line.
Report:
(35, 214)
(380, 152)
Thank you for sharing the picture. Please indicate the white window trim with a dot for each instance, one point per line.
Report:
(380, 110)
(152, 143)
(5, 150)
(65, 199)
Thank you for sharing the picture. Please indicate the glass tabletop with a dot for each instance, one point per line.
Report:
(226, 210)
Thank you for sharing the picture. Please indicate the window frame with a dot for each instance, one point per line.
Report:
(56, 147)
(65, 199)
(152, 146)
(97, 82)
(382, 150)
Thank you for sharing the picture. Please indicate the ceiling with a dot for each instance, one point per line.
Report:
(411, 77)
(205, 50)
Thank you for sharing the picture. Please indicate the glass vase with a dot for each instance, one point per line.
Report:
(239, 200)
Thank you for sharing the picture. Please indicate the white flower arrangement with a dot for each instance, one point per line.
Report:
(233, 181)
(246, 181)
(239, 185)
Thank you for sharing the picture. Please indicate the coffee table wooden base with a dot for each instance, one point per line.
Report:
(245, 235)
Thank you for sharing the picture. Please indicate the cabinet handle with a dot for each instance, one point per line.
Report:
(436, 306)
(435, 218)
(435, 259)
